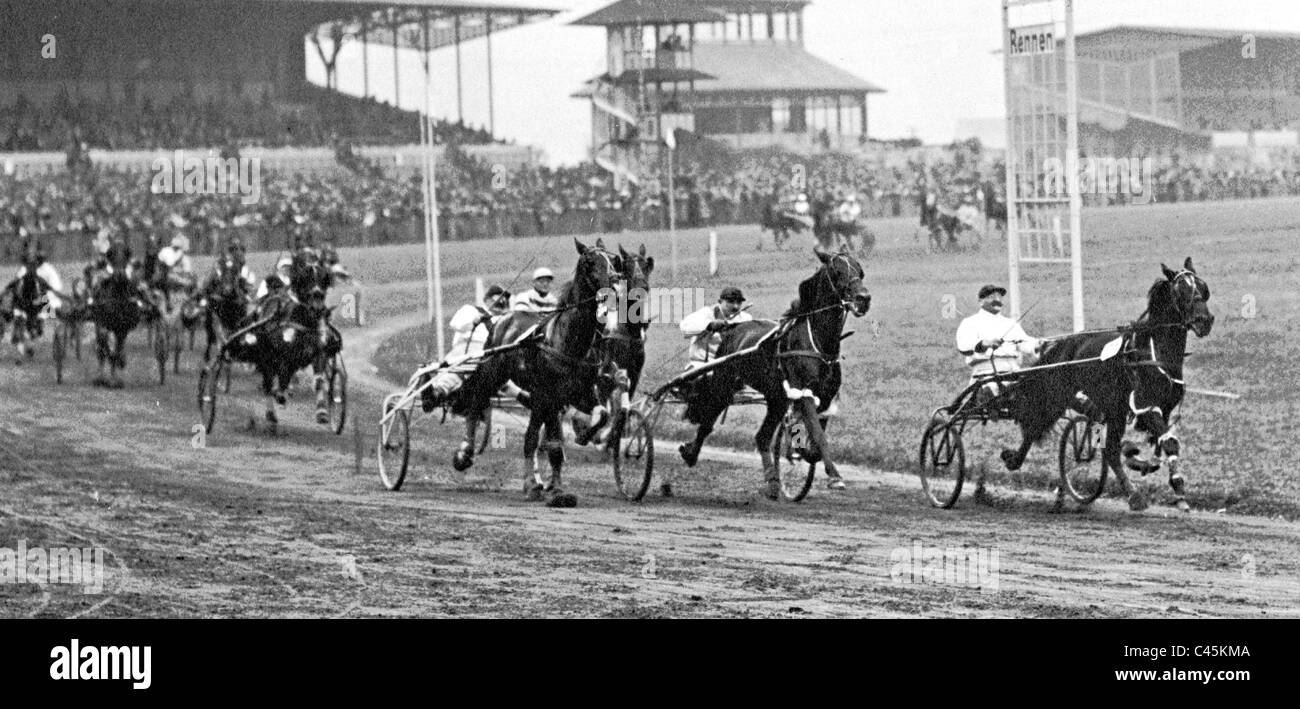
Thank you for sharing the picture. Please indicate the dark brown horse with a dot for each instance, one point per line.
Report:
(1143, 380)
(620, 354)
(296, 334)
(116, 307)
(553, 367)
(798, 363)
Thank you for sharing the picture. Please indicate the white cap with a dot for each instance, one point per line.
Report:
(543, 272)
(284, 262)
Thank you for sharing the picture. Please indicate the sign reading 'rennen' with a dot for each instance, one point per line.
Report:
(1034, 39)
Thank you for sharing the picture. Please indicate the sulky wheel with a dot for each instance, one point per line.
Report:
(208, 384)
(338, 393)
(1083, 465)
(60, 348)
(795, 481)
(632, 456)
(394, 448)
(943, 463)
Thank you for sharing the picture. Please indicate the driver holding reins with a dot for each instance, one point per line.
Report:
(992, 341)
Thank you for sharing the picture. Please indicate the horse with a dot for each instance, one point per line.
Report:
(552, 368)
(225, 300)
(1143, 381)
(797, 361)
(620, 353)
(835, 233)
(782, 222)
(116, 306)
(24, 300)
(293, 334)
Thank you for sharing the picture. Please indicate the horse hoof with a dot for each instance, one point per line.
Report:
(1011, 460)
(837, 483)
(1182, 505)
(562, 499)
(279, 399)
(1137, 502)
(532, 492)
(689, 455)
(322, 416)
(772, 490)
(461, 461)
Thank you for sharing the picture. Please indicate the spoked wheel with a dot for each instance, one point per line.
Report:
(795, 481)
(208, 385)
(338, 393)
(394, 449)
(943, 464)
(1083, 465)
(60, 348)
(632, 456)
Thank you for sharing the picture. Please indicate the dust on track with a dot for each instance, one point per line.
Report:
(254, 525)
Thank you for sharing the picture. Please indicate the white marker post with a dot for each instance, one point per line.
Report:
(713, 253)
(479, 292)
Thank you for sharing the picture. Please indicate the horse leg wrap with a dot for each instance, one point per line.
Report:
(794, 394)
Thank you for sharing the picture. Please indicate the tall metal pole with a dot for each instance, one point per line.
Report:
(460, 105)
(1072, 172)
(492, 120)
(397, 82)
(365, 60)
(672, 210)
(1009, 161)
(432, 248)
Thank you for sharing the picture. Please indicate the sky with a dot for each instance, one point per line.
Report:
(935, 58)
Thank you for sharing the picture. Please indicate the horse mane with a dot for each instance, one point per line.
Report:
(807, 293)
(1157, 296)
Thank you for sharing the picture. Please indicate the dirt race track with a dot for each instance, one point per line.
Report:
(250, 525)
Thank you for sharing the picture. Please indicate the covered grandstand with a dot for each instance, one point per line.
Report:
(1161, 90)
(225, 69)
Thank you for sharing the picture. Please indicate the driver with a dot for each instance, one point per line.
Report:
(46, 273)
(179, 269)
(992, 342)
(705, 325)
(472, 325)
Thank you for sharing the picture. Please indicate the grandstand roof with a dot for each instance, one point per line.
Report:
(772, 66)
(382, 15)
(1135, 42)
(651, 12)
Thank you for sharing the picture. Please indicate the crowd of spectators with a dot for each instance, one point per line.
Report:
(318, 117)
(709, 189)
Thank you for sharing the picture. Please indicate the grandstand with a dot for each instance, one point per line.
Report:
(1164, 90)
(150, 74)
